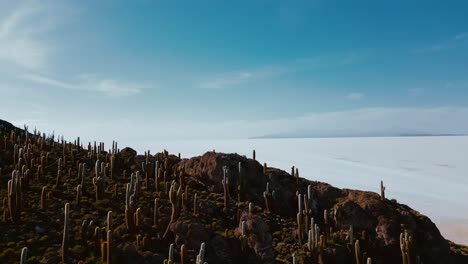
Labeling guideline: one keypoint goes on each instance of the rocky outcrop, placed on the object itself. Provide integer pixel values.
(383, 221)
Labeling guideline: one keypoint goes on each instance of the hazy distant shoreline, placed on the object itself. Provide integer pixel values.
(286, 136)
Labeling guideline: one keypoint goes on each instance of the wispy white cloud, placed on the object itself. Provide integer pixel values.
(443, 45)
(26, 32)
(416, 91)
(355, 96)
(107, 87)
(21, 32)
(225, 80)
(461, 36)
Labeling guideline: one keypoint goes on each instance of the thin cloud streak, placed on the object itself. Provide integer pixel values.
(355, 96)
(108, 87)
(448, 44)
(226, 80)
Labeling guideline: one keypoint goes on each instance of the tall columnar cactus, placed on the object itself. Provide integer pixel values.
(98, 181)
(137, 216)
(240, 186)
(312, 201)
(157, 172)
(254, 156)
(201, 255)
(243, 236)
(109, 221)
(357, 252)
(109, 246)
(405, 247)
(300, 219)
(14, 196)
(267, 196)
(59, 172)
(225, 183)
(78, 195)
(83, 175)
(251, 209)
(155, 212)
(24, 255)
(43, 197)
(65, 233)
(171, 253)
(174, 196)
(15, 153)
(310, 240)
(382, 191)
(182, 254)
(112, 164)
(195, 205)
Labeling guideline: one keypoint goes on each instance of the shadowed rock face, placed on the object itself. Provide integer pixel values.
(258, 236)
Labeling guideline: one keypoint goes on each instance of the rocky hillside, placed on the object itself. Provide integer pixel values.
(69, 202)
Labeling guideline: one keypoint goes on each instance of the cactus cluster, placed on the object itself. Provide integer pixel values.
(147, 203)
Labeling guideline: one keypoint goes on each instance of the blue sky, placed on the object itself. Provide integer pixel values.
(212, 69)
